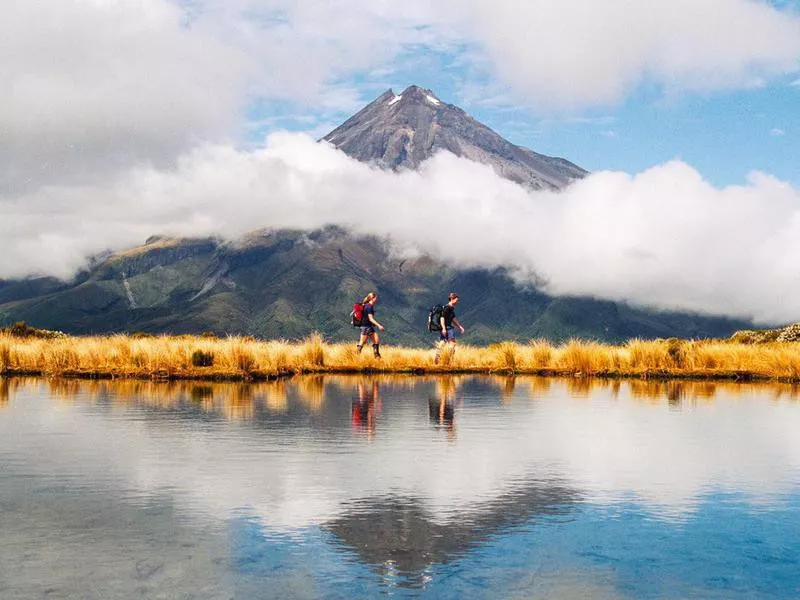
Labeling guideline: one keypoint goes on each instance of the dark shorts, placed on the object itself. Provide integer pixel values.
(448, 335)
(367, 330)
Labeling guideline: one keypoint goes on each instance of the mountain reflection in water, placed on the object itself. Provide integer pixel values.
(398, 533)
(348, 486)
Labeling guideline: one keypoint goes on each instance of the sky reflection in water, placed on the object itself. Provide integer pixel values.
(446, 487)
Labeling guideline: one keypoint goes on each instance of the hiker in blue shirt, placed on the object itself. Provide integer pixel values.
(446, 322)
(369, 324)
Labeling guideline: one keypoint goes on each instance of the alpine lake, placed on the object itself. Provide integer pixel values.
(404, 486)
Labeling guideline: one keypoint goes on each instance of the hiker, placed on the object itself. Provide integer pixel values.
(369, 324)
(446, 330)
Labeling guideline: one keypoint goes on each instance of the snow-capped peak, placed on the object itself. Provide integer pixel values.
(433, 100)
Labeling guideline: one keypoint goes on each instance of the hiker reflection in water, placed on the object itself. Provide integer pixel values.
(448, 323)
(369, 326)
(366, 407)
(442, 408)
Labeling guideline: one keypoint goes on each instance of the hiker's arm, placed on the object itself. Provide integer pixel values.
(455, 320)
(442, 326)
(375, 322)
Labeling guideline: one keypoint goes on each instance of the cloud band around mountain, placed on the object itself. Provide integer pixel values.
(663, 238)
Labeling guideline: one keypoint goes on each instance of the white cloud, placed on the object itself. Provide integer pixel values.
(574, 53)
(664, 238)
(90, 85)
(93, 86)
(777, 132)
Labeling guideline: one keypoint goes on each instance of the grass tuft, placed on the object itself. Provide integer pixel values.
(202, 359)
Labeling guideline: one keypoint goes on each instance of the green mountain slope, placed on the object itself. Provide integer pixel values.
(286, 284)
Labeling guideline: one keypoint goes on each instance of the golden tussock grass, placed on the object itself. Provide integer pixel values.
(236, 357)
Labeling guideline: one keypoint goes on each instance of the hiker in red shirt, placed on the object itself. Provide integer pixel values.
(369, 325)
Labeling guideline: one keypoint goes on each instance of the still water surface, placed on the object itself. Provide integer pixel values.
(455, 487)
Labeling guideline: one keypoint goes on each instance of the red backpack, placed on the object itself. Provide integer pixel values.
(358, 314)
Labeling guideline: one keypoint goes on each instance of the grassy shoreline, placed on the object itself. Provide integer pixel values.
(248, 359)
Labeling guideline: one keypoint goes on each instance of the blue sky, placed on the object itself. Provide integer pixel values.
(725, 134)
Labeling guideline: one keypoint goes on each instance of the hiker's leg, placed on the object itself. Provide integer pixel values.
(362, 339)
(439, 347)
(452, 348)
(376, 345)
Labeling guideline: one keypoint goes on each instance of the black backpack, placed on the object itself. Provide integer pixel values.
(435, 318)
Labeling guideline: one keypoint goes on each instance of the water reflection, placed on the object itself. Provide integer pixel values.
(442, 406)
(366, 406)
(399, 536)
(461, 485)
(10, 387)
(311, 392)
(244, 401)
(5, 393)
(507, 387)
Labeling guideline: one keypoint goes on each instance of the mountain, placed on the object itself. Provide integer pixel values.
(286, 284)
(401, 131)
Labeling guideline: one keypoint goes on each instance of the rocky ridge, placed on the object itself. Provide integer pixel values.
(398, 131)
